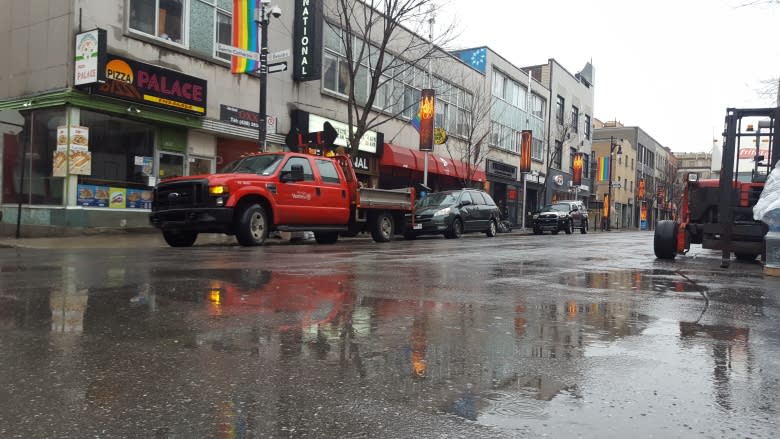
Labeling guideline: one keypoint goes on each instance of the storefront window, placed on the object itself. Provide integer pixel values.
(122, 151)
(36, 143)
(200, 165)
(11, 125)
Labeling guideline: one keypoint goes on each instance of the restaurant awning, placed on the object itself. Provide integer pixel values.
(400, 157)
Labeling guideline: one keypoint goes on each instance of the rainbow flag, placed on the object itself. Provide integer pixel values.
(416, 120)
(603, 174)
(244, 35)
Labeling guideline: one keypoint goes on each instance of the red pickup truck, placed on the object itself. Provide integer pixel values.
(284, 191)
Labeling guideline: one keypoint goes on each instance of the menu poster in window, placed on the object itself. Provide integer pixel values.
(92, 196)
(139, 199)
(60, 157)
(79, 154)
(117, 197)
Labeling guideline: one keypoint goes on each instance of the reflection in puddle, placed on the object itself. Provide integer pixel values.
(493, 357)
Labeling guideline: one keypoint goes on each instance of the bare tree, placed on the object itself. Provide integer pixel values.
(563, 133)
(473, 151)
(770, 90)
(380, 46)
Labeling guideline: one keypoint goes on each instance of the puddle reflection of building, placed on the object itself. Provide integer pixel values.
(730, 355)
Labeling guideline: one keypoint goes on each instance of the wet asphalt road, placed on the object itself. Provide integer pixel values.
(515, 336)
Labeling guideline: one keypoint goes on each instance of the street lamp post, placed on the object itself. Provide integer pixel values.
(262, 20)
(612, 146)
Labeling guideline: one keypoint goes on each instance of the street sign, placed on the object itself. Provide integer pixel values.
(277, 67)
(235, 51)
(282, 54)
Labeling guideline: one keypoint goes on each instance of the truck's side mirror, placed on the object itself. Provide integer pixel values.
(294, 174)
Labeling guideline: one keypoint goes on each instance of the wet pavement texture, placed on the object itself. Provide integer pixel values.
(513, 336)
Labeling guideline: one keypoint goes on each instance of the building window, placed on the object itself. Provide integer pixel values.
(559, 110)
(557, 160)
(163, 19)
(587, 127)
(575, 118)
(224, 33)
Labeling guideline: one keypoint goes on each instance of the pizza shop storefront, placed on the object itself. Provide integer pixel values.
(72, 159)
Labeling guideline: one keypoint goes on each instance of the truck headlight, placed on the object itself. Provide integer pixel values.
(442, 212)
(218, 190)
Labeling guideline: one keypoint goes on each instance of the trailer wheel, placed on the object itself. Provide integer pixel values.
(326, 237)
(382, 230)
(179, 239)
(665, 239)
(252, 226)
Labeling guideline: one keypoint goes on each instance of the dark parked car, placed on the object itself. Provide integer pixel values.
(563, 215)
(453, 213)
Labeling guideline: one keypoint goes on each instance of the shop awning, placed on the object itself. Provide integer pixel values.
(399, 157)
(412, 159)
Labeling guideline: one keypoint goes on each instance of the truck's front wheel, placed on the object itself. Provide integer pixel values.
(382, 230)
(252, 227)
(179, 239)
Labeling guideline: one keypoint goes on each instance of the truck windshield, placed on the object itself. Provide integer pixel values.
(265, 164)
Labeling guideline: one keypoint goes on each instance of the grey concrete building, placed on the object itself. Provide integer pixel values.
(569, 129)
(514, 102)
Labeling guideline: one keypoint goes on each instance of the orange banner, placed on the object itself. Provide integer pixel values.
(576, 177)
(427, 113)
(525, 151)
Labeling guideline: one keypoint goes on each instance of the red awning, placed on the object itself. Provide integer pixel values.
(399, 157)
(412, 159)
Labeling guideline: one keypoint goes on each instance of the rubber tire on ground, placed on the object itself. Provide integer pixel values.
(584, 228)
(665, 239)
(179, 239)
(252, 227)
(746, 257)
(326, 237)
(455, 230)
(492, 229)
(569, 227)
(382, 229)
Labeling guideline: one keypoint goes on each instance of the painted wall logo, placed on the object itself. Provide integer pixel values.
(558, 179)
(152, 85)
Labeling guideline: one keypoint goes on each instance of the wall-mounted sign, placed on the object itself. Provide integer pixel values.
(558, 180)
(245, 118)
(144, 83)
(90, 55)
(368, 143)
(72, 155)
(307, 40)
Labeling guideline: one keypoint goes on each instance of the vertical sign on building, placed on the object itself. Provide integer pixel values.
(641, 188)
(426, 113)
(576, 174)
(90, 55)
(307, 40)
(526, 141)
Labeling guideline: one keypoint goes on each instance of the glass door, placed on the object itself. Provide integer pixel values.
(170, 165)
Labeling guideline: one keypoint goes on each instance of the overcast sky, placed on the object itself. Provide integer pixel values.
(671, 67)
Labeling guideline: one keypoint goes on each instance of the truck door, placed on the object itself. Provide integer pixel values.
(334, 197)
(297, 201)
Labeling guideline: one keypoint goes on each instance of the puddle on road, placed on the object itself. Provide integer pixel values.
(480, 359)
